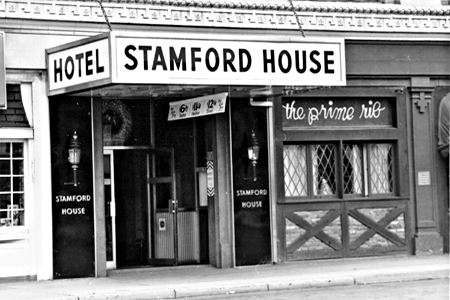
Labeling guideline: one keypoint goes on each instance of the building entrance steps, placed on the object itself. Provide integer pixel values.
(191, 281)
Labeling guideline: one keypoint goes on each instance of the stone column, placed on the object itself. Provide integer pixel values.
(427, 238)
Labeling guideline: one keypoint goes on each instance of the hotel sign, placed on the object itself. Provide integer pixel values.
(79, 66)
(137, 58)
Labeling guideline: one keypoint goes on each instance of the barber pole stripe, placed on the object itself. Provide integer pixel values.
(210, 177)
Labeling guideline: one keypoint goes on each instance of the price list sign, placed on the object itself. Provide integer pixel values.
(197, 107)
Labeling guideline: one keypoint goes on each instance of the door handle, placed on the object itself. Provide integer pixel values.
(112, 209)
(173, 203)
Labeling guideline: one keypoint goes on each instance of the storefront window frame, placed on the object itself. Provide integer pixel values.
(335, 189)
(395, 135)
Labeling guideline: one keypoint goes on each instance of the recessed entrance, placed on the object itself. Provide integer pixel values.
(155, 215)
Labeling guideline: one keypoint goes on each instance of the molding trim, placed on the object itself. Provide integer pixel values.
(250, 14)
(16, 133)
(421, 97)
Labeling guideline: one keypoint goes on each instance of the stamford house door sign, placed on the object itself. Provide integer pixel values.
(250, 184)
(72, 188)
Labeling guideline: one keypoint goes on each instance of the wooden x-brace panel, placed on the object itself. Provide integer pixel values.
(316, 230)
(379, 227)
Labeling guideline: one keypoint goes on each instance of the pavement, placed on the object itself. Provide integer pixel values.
(190, 281)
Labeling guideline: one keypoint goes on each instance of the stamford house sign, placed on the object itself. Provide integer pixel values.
(140, 58)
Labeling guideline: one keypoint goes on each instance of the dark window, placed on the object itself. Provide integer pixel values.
(332, 169)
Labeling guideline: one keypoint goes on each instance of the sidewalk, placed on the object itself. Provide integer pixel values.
(190, 281)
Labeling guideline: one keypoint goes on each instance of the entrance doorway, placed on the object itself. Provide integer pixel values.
(141, 207)
(153, 213)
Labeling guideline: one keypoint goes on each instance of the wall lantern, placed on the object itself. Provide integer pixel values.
(74, 157)
(253, 153)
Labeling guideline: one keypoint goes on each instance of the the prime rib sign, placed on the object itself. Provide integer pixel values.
(329, 112)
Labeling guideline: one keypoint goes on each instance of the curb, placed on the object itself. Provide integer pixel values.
(132, 295)
(286, 285)
(222, 290)
(402, 277)
(314, 283)
(199, 289)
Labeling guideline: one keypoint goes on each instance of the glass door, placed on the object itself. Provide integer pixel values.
(164, 207)
(110, 209)
(140, 207)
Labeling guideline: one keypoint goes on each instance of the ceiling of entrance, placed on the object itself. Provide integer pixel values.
(171, 91)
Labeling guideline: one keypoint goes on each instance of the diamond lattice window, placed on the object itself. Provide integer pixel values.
(324, 170)
(311, 170)
(381, 169)
(353, 169)
(295, 171)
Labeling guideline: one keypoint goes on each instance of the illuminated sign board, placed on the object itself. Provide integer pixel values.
(79, 66)
(136, 58)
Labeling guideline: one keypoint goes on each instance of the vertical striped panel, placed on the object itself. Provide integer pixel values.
(164, 238)
(188, 237)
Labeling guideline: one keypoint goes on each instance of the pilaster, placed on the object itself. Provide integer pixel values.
(427, 238)
(223, 256)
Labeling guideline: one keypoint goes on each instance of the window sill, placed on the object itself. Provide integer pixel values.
(9, 234)
(332, 199)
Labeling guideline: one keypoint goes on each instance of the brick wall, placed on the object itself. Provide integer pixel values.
(313, 246)
(14, 115)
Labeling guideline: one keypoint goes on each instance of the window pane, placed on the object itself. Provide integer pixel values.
(5, 184)
(18, 184)
(19, 212)
(5, 150)
(295, 170)
(353, 171)
(18, 167)
(5, 200)
(5, 167)
(18, 200)
(324, 170)
(20, 218)
(381, 169)
(5, 211)
(17, 150)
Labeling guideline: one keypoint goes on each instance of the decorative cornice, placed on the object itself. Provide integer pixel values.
(269, 14)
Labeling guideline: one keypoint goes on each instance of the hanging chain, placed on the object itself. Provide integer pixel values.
(296, 17)
(104, 14)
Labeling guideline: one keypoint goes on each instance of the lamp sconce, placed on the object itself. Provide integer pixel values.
(253, 153)
(74, 158)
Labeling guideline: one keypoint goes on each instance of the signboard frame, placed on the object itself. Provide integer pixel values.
(282, 57)
(331, 111)
(88, 83)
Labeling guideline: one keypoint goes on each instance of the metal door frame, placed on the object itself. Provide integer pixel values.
(173, 204)
(112, 264)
